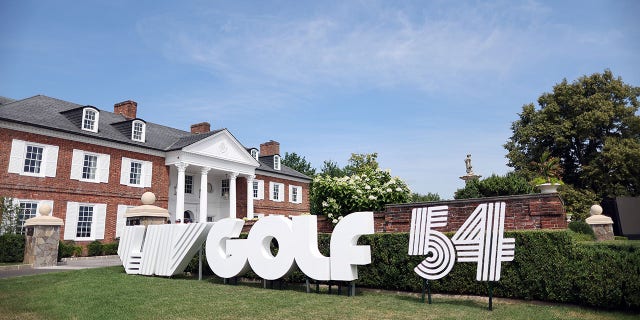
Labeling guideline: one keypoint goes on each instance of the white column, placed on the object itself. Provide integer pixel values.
(250, 196)
(203, 194)
(232, 194)
(180, 191)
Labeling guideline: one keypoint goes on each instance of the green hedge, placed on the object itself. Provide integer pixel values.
(12, 247)
(548, 265)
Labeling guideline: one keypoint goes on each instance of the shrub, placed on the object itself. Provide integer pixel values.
(577, 202)
(509, 184)
(68, 249)
(12, 247)
(110, 248)
(95, 248)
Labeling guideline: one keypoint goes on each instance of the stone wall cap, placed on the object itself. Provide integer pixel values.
(43, 221)
(599, 219)
(147, 210)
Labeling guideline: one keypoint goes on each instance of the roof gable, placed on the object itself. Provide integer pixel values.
(221, 145)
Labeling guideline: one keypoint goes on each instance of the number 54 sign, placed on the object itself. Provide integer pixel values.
(480, 240)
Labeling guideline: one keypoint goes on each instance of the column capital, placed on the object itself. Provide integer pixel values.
(233, 175)
(250, 178)
(181, 166)
(205, 170)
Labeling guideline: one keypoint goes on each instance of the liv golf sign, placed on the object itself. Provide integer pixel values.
(166, 250)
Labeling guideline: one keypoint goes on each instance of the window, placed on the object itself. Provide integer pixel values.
(276, 191)
(27, 211)
(255, 153)
(135, 173)
(89, 167)
(188, 184)
(33, 159)
(276, 162)
(85, 218)
(138, 131)
(90, 119)
(295, 194)
(85, 221)
(224, 190)
(258, 189)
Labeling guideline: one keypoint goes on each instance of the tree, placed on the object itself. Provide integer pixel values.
(591, 125)
(331, 169)
(362, 163)
(9, 216)
(416, 197)
(298, 163)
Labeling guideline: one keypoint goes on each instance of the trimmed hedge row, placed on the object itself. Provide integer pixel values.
(548, 265)
(12, 247)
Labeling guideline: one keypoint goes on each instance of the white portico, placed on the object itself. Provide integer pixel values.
(203, 174)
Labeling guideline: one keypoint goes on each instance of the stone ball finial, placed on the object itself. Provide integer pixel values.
(44, 210)
(595, 210)
(148, 198)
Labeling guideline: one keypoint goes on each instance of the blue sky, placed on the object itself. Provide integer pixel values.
(422, 83)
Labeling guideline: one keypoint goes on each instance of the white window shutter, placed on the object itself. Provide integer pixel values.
(147, 171)
(77, 161)
(43, 202)
(100, 216)
(104, 162)
(299, 195)
(16, 159)
(291, 193)
(71, 223)
(50, 161)
(261, 189)
(271, 186)
(124, 171)
(122, 220)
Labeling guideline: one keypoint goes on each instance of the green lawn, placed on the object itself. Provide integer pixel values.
(108, 293)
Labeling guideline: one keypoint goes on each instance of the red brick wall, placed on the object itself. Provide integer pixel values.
(267, 206)
(533, 211)
(62, 189)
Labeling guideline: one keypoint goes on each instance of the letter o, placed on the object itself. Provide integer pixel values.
(263, 263)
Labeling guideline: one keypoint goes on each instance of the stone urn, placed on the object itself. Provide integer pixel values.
(549, 187)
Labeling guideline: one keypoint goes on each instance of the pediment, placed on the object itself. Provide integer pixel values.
(222, 145)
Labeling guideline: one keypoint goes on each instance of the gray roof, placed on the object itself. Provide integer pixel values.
(266, 164)
(59, 115)
(5, 100)
(46, 112)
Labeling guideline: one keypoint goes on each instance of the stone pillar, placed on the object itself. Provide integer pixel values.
(43, 235)
(250, 196)
(182, 167)
(232, 194)
(602, 225)
(203, 194)
(147, 214)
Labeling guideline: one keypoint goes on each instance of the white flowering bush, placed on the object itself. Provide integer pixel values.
(336, 197)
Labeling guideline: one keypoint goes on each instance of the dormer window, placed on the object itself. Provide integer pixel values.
(276, 162)
(255, 153)
(90, 118)
(138, 131)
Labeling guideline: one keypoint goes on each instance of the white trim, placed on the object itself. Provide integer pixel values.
(133, 130)
(260, 189)
(96, 119)
(78, 137)
(281, 176)
(277, 165)
(48, 163)
(299, 194)
(280, 191)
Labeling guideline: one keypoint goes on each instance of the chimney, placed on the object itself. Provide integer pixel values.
(126, 108)
(270, 148)
(202, 127)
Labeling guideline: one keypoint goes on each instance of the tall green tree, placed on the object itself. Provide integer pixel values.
(362, 163)
(331, 169)
(298, 163)
(592, 126)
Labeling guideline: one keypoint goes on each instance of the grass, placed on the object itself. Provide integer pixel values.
(108, 293)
